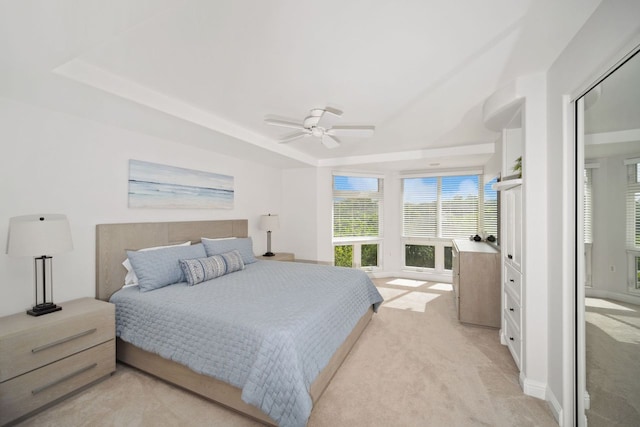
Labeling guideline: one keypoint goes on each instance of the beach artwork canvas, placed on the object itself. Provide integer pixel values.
(153, 185)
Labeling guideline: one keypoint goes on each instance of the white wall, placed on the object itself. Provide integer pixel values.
(299, 213)
(535, 262)
(598, 44)
(56, 163)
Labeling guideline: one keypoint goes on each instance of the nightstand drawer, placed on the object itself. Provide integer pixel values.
(28, 392)
(64, 333)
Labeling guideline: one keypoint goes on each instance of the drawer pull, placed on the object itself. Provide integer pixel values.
(66, 377)
(510, 256)
(511, 309)
(511, 338)
(511, 280)
(63, 340)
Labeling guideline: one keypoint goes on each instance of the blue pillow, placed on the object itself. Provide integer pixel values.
(161, 267)
(243, 245)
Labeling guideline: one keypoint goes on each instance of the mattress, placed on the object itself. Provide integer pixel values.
(268, 329)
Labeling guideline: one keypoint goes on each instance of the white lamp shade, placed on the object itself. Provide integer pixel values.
(37, 235)
(269, 222)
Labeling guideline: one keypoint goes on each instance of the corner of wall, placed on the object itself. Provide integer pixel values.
(555, 407)
(532, 388)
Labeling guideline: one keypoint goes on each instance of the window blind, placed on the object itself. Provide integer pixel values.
(490, 209)
(633, 206)
(357, 206)
(588, 206)
(420, 207)
(440, 207)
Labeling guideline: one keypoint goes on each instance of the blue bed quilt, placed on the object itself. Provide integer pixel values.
(268, 329)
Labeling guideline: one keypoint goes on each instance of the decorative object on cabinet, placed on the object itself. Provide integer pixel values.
(40, 236)
(269, 223)
(517, 167)
(45, 359)
(159, 186)
(476, 282)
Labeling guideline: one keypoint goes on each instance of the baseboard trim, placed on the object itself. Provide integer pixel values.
(533, 388)
(503, 340)
(587, 401)
(555, 407)
(616, 296)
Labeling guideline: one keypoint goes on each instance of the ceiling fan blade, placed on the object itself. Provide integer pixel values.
(330, 141)
(329, 118)
(292, 137)
(353, 131)
(284, 123)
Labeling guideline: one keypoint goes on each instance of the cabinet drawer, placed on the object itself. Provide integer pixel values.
(512, 309)
(513, 281)
(27, 392)
(514, 343)
(62, 335)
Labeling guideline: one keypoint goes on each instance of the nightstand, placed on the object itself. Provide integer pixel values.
(46, 358)
(282, 256)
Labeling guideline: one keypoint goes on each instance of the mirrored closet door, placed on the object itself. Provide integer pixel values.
(608, 184)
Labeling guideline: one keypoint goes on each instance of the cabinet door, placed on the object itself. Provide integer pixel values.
(513, 238)
(517, 228)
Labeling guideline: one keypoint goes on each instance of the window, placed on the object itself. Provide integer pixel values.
(588, 221)
(436, 209)
(490, 209)
(588, 206)
(633, 224)
(357, 214)
(420, 256)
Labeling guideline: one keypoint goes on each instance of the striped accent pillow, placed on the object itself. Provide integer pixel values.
(233, 260)
(202, 269)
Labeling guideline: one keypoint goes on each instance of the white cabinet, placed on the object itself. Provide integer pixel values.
(512, 295)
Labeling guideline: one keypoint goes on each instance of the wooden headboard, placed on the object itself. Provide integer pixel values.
(113, 240)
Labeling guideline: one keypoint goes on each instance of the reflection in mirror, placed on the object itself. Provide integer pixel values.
(611, 235)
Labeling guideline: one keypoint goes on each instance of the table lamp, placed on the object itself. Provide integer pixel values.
(269, 223)
(40, 236)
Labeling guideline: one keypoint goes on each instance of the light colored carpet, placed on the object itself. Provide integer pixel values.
(415, 365)
(613, 363)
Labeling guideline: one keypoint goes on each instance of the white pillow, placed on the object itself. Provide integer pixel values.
(131, 279)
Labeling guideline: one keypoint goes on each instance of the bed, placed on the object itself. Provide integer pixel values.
(280, 371)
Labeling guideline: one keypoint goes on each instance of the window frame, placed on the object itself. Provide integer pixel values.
(632, 232)
(358, 241)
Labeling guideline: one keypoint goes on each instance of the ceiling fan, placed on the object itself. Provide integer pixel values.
(320, 123)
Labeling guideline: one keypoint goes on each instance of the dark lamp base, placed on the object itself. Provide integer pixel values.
(269, 254)
(46, 308)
